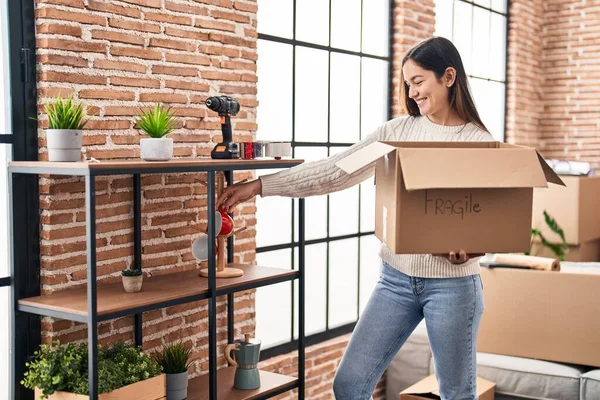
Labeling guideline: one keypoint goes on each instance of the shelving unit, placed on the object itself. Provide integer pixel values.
(95, 303)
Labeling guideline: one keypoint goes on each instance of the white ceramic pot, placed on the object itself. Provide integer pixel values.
(156, 149)
(64, 144)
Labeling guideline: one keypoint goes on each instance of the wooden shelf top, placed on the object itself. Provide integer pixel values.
(132, 166)
(269, 382)
(112, 298)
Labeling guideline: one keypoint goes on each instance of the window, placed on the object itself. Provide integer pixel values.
(478, 29)
(323, 69)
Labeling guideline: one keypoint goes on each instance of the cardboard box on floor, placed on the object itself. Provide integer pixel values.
(587, 251)
(575, 207)
(541, 314)
(428, 389)
(436, 197)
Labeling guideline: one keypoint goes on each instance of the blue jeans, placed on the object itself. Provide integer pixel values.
(452, 308)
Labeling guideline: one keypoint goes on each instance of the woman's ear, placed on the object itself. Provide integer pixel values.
(449, 76)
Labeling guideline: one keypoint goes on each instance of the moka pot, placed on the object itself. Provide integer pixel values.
(245, 359)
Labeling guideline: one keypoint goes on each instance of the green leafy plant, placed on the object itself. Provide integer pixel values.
(131, 272)
(65, 114)
(173, 358)
(59, 367)
(558, 250)
(157, 122)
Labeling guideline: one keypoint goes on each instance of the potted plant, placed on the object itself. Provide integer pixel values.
(156, 122)
(61, 371)
(174, 362)
(559, 250)
(132, 280)
(64, 135)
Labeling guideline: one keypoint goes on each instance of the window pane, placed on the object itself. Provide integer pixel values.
(443, 18)
(5, 109)
(485, 3)
(311, 95)
(343, 284)
(312, 21)
(498, 48)
(275, 17)
(274, 112)
(489, 99)
(345, 24)
(481, 41)
(375, 38)
(315, 212)
(273, 220)
(4, 342)
(374, 95)
(370, 267)
(274, 303)
(367, 205)
(462, 32)
(499, 5)
(316, 291)
(343, 208)
(344, 98)
(5, 156)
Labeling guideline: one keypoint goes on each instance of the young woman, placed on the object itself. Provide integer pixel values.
(444, 290)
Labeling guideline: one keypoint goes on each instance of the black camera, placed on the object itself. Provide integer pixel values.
(224, 105)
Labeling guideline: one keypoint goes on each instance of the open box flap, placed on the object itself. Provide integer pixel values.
(364, 156)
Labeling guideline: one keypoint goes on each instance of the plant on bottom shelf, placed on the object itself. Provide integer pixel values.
(558, 250)
(174, 360)
(64, 368)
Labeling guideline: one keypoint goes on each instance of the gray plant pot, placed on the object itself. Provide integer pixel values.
(64, 144)
(177, 385)
(156, 149)
(132, 284)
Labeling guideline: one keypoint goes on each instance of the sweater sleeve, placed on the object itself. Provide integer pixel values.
(319, 177)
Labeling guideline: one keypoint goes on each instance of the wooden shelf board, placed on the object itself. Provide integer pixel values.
(112, 298)
(269, 382)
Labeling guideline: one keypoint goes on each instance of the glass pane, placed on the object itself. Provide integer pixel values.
(375, 38)
(311, 95)
(273, 221)
(489, 99)
(485, 3)
(312, 21)
(367, 205)
(343, 208)
(462, 32)
(4, 342)
(344, 98)
(374, 95)
(5, 156)
(345, 24)
(274, 112)
(5, 109)
(443, 18)
(275, 17)
(274, 318)
(499, 5)
(315, 305)
(343, 282)
(498, 48)
(481, 41)
(315, 212)
(370, 267)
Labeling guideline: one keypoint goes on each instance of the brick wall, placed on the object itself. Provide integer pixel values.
(117, 56)
(554, 78)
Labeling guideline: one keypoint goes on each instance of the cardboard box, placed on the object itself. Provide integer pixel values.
(541, 314)
(575, 207)
(436, 197)
(428, 389)
(583, 252)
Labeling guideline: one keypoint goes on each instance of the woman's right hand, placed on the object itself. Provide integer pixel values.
(238, 193)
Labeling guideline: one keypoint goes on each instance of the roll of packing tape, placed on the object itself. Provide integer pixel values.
(278, 150)
(252, 150)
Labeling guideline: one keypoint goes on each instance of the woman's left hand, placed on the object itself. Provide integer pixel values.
(461, 257)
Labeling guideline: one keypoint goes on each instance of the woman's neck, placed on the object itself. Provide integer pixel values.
(446, 117)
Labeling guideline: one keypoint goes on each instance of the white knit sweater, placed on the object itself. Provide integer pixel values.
(323, 177)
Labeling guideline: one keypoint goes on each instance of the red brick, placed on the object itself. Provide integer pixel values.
(175, 71)
(59, 29)
(68, 3)
(71, 45)
(186, 34)
(238, 65)
(187, 58)
(220, 50)
(172, 44)
(220, 3)
(216, 25)
(145, 3)
(105, 6)
(162, 206)
(118, 37)
(135, 52)
(185, 8)
(231, 16)
(238, 89)
(84, 18)
(106, 94)
(134, 82)
(234, 40)
(221, 76)
(55, 59)
(133, 25)
(168, 18)
(238, 5)
(120, 66)
(187, 85)
(108, 125)
(114, 154)
(163, 97)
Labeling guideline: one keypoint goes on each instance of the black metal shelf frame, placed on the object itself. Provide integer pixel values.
(92, 318)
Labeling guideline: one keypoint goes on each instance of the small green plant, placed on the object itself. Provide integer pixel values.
(65, 114)
(157, 122)
(174, 358)
(131, 272)
(57, 367)
(559, 250)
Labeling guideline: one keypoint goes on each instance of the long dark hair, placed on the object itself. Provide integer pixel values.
(437, 54)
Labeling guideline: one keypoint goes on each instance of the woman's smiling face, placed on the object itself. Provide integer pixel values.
(423, 87)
